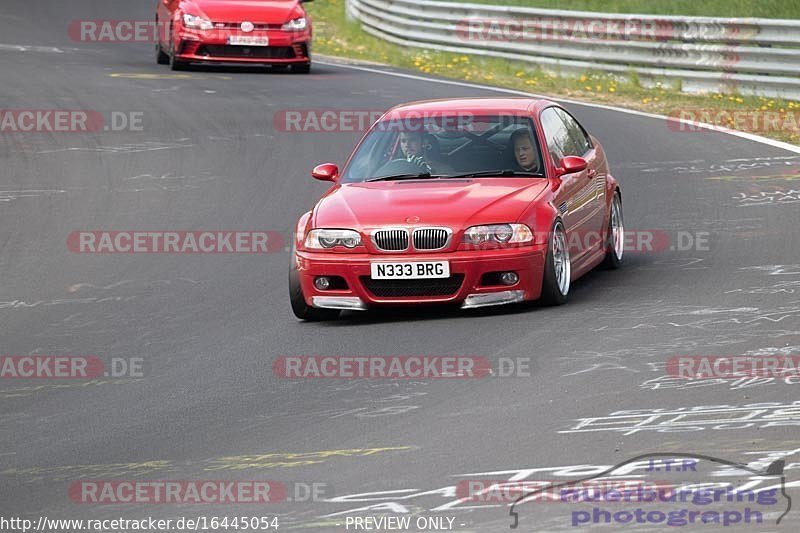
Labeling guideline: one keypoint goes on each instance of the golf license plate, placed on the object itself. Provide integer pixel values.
(243, 40)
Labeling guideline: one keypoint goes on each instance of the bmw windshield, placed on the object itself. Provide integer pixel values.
(447, 146)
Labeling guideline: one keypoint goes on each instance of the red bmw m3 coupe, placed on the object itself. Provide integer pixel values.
(475, 202)
(271, 32)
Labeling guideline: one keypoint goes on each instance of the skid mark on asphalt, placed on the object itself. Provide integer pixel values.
(148, 283)
(166, 182)
(775, 270)
(624, 359)
(785, 287)
(215, 464)
(23, 392)
(22, 304)
(713, 317)
(149, 146)
(8, 196)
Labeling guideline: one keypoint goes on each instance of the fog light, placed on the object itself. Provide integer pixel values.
(509, 278)
(322, 283)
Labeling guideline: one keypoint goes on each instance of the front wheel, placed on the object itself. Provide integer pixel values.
(300, 308)
(162, 58)
(615, 238)
(557, 268)
(174, 63)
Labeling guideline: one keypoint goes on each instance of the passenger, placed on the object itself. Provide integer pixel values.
(524, 149)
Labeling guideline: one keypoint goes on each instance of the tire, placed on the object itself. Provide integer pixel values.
(174, 64)
(304, 68)
(299, 306)
(558, 268)
(161, 57)
(615, 237)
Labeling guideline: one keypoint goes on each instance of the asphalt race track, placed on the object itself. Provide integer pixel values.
(208, 327)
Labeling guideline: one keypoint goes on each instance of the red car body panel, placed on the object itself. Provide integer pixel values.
(459, 204)
(211, 46)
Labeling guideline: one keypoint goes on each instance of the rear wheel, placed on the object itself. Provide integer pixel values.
(300, 308)
(557, 269)
(615, 238)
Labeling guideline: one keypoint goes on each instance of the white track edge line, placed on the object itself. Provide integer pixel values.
(735, 133)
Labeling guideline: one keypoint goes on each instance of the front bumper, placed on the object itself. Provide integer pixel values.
(466, 286)
(211, 46)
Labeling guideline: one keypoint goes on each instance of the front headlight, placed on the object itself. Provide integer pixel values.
(498, 234)
(325, 239)
(298, 24)
(193, 21)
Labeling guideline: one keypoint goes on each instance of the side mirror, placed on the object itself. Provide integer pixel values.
(326, 172)
(572, 165)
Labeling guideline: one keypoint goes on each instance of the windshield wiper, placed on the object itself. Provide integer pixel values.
(497, 173)
(421, 176)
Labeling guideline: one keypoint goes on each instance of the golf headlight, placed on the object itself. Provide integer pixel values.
(298, 24)
(193, 21)
(325, 239)
(498, 234)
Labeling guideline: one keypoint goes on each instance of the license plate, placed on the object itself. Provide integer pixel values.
(243, 40)
(421, 270)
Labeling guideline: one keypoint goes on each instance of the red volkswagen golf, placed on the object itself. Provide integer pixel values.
(475, 202)
(273, 32)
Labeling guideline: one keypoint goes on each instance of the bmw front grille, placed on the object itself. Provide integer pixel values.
(431, 238)
(391, 240)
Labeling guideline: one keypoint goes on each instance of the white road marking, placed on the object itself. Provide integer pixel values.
(27, 48)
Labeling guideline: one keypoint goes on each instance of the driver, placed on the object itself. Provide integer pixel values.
(524, 150)
(417, 147)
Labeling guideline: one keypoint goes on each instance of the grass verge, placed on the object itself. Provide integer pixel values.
(769, 117)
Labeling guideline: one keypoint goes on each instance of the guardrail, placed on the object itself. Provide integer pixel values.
(748, 56)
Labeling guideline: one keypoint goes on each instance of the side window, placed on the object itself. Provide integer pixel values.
(580, 141)
(558, 139)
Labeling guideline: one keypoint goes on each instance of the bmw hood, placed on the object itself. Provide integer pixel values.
(453, 203)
